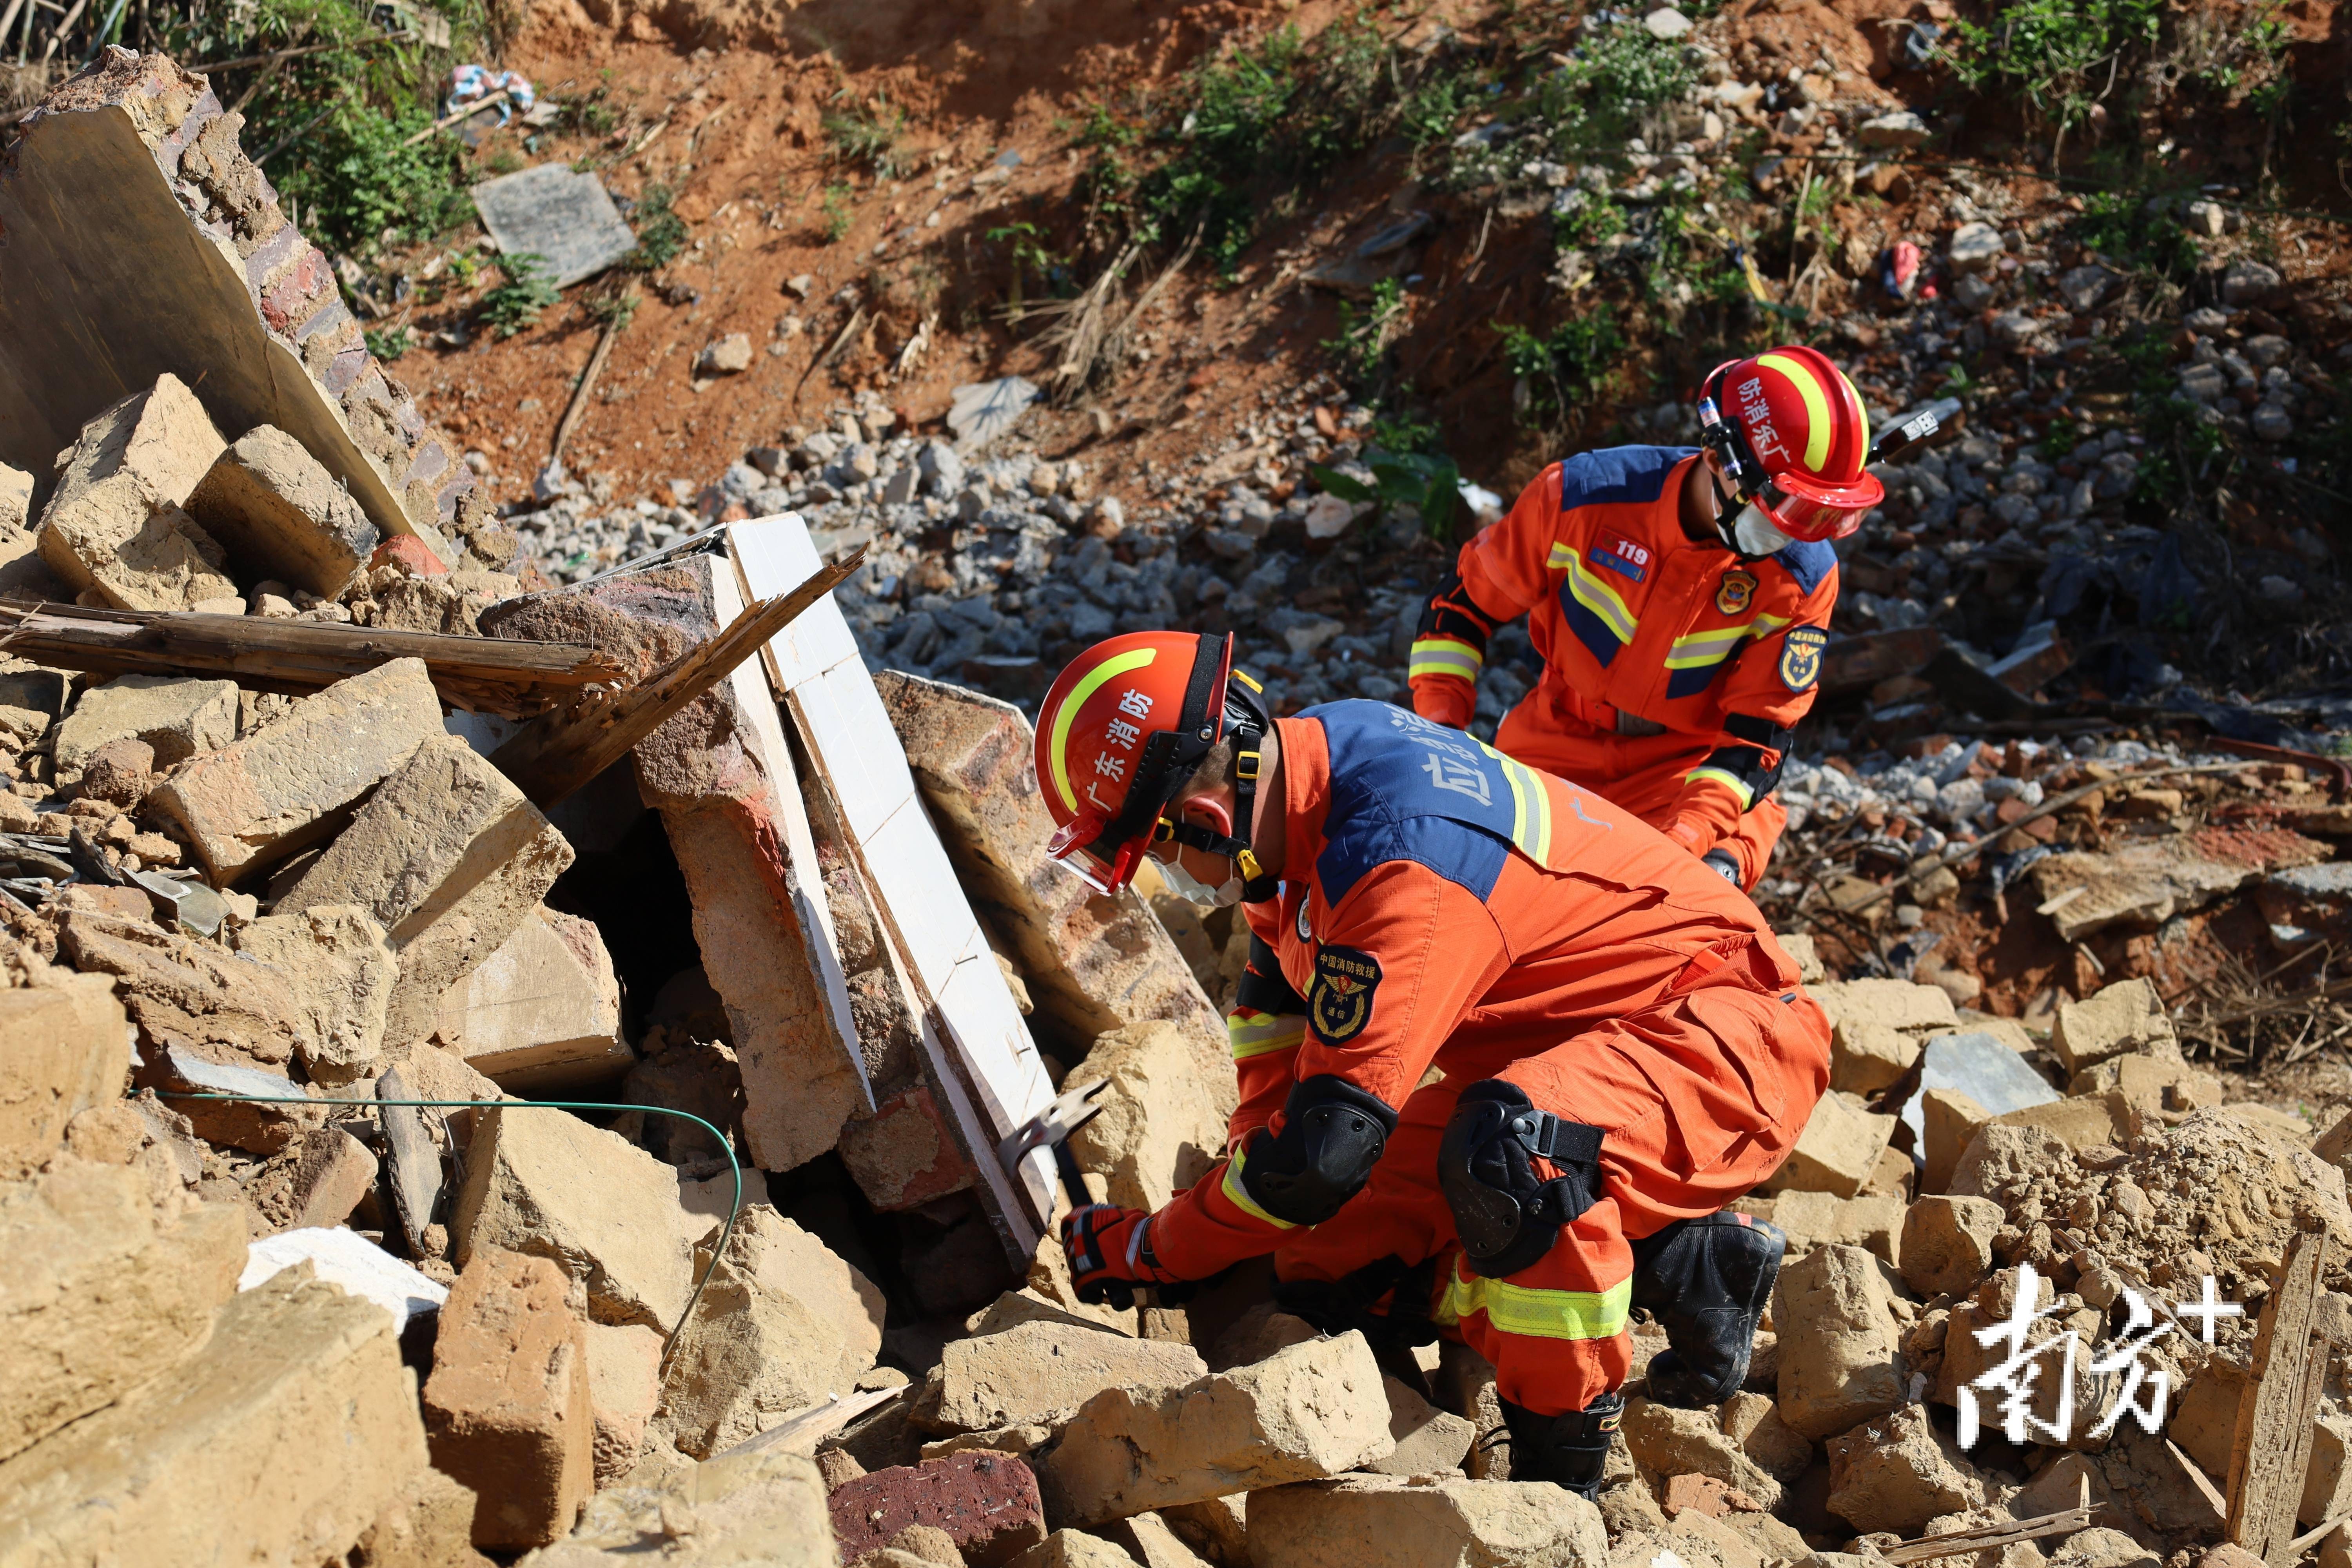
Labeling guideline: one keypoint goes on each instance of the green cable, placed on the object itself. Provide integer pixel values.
(725, 1144)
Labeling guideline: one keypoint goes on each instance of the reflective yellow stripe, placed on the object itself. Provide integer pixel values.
(1445, 656)
(1602, 600)
(1260, 1033)
(1530, 808)
(1817, 408)
(1089, 684)
(1728, 781)
(1233, 1189)
(1538, 1314)
(1694, 648)
(1559, 557)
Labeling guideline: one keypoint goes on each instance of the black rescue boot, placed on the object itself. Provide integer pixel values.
(1706, 1282)
(1570, 1450)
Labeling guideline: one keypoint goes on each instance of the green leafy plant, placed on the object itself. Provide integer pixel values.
(661, 232)
(516, 303)
(837, 217)
(614, 308)
(360, 182)
(869, 136)
(1364, 333)
(1566, 369)
(1429, 483)
(591, 116)
(388, 344)
(2060, 55)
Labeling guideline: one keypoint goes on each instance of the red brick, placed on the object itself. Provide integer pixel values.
(904, 1155)
(988, 1504)
(407, 549)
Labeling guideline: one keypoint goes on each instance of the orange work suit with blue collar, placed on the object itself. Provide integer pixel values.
(1446, 907)
(1674, 670)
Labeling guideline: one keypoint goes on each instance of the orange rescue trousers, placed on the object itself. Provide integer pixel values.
(1690, 1124)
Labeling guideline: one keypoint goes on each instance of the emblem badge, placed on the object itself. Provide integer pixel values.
(1305, 931)
(1732, 594)
(1340, 1004)
(1800, 657)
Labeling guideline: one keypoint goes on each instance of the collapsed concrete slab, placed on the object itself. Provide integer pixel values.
(782, 1324)
(1306, 1412)
(507, 1410)
(282, 1441)
(1094, 964)
(542, 1014)
(295, 780)
(113, 528)
(102, 1292)
(189, 268)
(175, 716)
(450, 858)
(722, 777)
(547, 1184)
(280, 515)
(63, 1049)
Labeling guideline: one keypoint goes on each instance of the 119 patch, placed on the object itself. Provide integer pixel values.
(1800, 657)
(1339, 1003)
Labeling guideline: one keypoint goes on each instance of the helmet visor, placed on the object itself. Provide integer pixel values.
(1814, 512)
(1106, 867)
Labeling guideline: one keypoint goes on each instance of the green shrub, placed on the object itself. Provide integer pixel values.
(517, 302)
(661, 232)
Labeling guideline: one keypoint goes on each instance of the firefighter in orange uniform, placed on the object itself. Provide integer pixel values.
(1680, 599)
(1624, 1049)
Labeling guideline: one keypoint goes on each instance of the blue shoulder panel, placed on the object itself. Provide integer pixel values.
(1405, 789)
(1809, 562)
(1616, 474)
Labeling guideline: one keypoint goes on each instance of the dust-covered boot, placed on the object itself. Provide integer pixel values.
(1570, 1450)
(1706, 1282)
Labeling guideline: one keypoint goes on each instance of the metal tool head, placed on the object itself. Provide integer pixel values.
(1053, 1124)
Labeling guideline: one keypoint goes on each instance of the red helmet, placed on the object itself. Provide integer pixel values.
(1123, 729)
(1791, 433)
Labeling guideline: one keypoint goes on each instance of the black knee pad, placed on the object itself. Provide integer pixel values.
(1332, 1135)
(1507, 1215)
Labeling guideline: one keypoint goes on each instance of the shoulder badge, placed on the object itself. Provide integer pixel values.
(1340, 1003)
(1800, 657)
(1305, 926)
(1735, 592)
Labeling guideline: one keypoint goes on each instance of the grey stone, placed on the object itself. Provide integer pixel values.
(980, 412)
(2248, 283)
(2084, 286)
(552, 212)
(1901, 128)
(1973, 248)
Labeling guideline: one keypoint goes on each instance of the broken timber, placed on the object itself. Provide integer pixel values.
(2273, 1446)
(1989, 1537)
(562, 751)
(485, 675)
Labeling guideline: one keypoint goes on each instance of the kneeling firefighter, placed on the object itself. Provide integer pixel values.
(1621, 1047)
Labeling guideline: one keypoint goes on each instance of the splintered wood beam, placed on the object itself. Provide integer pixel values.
(1986, 1537)
(2271, 1450)
(485, 675)
(560, 751)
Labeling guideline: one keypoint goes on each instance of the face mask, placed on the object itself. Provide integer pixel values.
(1194, 890)
(1756, 533)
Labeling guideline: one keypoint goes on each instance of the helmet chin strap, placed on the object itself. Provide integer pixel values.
(1246, 725)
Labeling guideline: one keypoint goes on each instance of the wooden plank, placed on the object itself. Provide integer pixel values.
(512, 678)
(852, 745)
(560, 751)
(1985, 1537)
(2271, 1450)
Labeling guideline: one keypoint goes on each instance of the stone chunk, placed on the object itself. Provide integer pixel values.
(1160, 1128)
(429, 1525)
(450, 858)
(1368, 1522)
(782, 1324)
(1428, 1441)
(187, 993)
(177, 717)
(1838, 1150)
(1866, 1055)
(1754, 1422)
(1948, 1244)
(1094, 964)
(1873, 1220)
(280, 514)
(987, 1503)
(1892, 1004)
(1074, 1549)
(1148, 1539)
(506, 1408)
(1036, 1373)
(2077, 1122)
(546, 1183)
(1837, 1342)
(114, 526)
(625, 1388)
(292, 782)
(1893, 1474)
(1974, 247)
(1949, 1119)
(315, 1182)
(283, 1440)
(1693, 1442)
(341, 969)
(102, 1292)
(2124, 1018)
(542, 1012)
(906, 1153)
(15, 500)
(767, 1508)
(63, 1049)
(1306, 1412)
